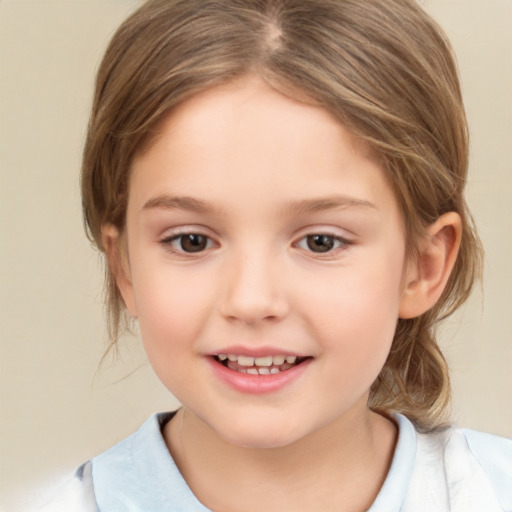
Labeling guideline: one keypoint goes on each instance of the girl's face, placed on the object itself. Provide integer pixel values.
(258, 228)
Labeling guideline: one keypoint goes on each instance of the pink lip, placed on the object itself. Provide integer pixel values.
(257, 384)
(262, 351)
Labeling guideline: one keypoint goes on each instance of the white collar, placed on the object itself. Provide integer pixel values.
(139, 474)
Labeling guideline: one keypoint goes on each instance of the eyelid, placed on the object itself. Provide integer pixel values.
(328, 230)
(345, 242)
(192, 229)
(173, 235)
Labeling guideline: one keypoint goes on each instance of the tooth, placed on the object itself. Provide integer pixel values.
(264, 370)
(232, 357)
(278, 360)
(222, 357)
(263, 361)
(252, 371)
(285, 366)
(242, 370)
(274, 370)
(245, 361)
(291, 359)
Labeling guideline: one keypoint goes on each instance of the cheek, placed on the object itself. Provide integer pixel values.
(359, 296)
(173, 307)
(355, 315)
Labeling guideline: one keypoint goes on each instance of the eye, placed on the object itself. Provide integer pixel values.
(188, 243)
(321, 243)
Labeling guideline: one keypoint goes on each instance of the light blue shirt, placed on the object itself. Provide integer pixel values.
(453, 470)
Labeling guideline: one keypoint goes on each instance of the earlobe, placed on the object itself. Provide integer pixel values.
(427, 275)
(118, 264)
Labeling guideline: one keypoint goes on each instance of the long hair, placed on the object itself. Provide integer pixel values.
(384, 68)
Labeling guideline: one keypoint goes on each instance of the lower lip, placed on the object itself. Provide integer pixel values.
(258, 384)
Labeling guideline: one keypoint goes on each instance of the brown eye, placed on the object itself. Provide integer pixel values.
(320, 243)
(192, 242)
(187, 244)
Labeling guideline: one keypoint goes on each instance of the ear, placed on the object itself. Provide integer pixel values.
(118, 263)
(427, 275)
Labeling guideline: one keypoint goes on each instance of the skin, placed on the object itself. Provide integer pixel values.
(268, 171)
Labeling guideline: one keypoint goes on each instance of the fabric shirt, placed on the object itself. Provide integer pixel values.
(454, 470)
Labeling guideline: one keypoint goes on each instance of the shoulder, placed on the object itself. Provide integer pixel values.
(75, 494)
(476, 458)
(140, 472)
(477, 467)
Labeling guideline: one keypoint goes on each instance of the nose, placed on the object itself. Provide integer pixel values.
(254, 290)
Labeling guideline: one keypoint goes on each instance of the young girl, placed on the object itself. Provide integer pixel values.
(277, 186)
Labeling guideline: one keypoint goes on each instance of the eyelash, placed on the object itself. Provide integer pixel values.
(339, 243)
(168, 243)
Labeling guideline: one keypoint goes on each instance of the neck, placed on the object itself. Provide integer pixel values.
(344, 462)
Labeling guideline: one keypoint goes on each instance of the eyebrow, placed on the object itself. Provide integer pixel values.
(179, 203)
(298, 207)
(328, 203)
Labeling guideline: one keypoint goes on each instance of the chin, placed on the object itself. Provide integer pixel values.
(260, 441)
(260, 434)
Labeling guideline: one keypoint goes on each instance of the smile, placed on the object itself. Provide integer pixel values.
(258, 373)
(266, 365)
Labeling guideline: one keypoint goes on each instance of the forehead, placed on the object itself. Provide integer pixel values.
(246, 139)
(218, 109)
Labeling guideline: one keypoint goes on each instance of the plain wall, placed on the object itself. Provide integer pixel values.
(57, 408)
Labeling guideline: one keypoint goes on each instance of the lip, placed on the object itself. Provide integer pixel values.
(260, 351)
(258, 384)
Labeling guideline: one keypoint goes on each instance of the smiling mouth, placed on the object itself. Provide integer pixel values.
(266, 365)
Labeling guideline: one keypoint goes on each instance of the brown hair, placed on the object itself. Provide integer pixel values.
(383, 67)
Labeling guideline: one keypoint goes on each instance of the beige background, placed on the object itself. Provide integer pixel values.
(57, 409)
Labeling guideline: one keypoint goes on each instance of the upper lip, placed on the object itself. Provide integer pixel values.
(260, 351)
